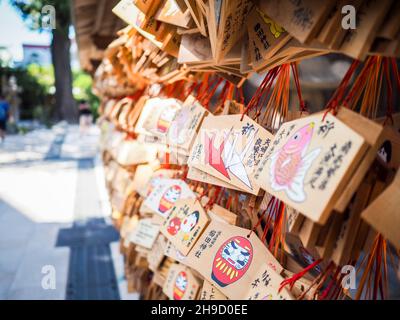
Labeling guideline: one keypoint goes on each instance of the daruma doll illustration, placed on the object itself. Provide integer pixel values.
(232, 260)
(180, 285)
(170, 196)
(174, 226)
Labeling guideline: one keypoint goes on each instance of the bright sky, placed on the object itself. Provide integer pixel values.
(14, 32)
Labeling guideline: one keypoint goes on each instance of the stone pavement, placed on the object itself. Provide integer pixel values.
(54, 214)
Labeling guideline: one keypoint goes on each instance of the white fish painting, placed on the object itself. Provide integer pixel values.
(290, 164)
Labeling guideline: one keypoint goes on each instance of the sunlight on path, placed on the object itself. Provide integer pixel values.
(51, 191)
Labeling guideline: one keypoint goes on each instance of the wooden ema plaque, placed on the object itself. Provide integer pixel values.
(309, 162)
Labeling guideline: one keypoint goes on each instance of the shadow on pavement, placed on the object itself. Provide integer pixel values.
(91, 274)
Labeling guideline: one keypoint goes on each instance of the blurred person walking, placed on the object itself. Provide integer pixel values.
(85, 116)
(4, 114)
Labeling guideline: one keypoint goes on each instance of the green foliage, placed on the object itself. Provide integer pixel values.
(31, 12)
(37, 84)
(5, 56)
(94, 104)
(44, 75)
(82, 90)
(81, 83)
(32, 93)
(36, 16)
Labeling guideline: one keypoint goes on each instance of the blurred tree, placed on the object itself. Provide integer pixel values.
(32, 94)
(5, 56)
(82, 84)
(34, 14)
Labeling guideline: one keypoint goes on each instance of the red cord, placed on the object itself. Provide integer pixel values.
(360, 81)
(337, 96)
(292, 280)
(263, 89)
(396, 72)
(212, 200)
(389, 111)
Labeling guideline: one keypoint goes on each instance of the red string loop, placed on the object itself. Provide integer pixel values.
(263, 89)
(360, 82)
(212, 200)
(203, 86)
(292, 280)
(389, 111)
(224, 94)
(191, 89)
(337, 96)
(330, 288)
(207, 99)
(200, 197)
(136, 95)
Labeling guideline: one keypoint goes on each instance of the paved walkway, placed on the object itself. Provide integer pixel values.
(54, 219)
